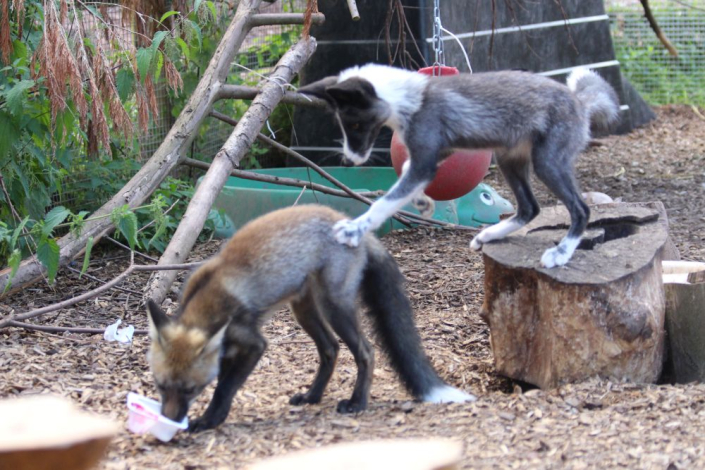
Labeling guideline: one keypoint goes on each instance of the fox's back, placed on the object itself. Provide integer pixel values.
(271, 259)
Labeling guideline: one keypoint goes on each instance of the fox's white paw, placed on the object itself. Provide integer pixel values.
(425, 205)
(448, 394)
(349, 232)
(553, 257)
(476, 244)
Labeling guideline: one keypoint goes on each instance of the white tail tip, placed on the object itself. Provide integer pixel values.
(447, 394)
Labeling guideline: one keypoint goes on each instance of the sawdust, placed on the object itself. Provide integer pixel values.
(595, 424)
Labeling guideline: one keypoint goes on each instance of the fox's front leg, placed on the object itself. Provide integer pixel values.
(242, 349)
(412, 183)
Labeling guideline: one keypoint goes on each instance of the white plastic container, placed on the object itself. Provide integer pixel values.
(145, 416)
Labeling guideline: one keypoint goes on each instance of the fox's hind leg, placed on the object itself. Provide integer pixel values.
(311, 320)
(341, 311)
(553, 164)
(515, 165)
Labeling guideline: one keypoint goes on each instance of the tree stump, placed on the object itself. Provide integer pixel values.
(601, 314)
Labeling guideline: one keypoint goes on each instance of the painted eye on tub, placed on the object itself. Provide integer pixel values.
(487, 198)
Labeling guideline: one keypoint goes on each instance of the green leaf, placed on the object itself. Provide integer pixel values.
(19, 49)
(144, 62)
(197, 31)
(127, 225)
(125, 82)
(53, 218)
(197, 5)
(167, 15)
(13, 263)
(157, 40)
(158, 64)
(48, 255)
(86, 257)
(162, 226)
(77, 222)
(184, 47)
(211, 6)
(17, 232)
(9, 133)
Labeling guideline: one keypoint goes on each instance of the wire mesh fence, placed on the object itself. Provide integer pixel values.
(658, 76)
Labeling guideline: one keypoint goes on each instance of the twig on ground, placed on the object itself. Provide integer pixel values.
(19, 318)
(65, 329)
(121, 245)
(93, 278)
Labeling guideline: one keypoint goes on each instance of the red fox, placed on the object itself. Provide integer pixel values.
(289, 255)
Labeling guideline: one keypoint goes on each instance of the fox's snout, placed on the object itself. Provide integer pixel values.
(174, 406)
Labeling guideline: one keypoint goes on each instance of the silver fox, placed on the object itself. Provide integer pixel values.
(290, 256)
(527, 119)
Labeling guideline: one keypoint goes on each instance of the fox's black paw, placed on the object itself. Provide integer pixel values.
(348, 406)
(203, 424)
(303, 399)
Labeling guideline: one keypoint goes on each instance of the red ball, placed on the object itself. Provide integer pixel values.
(456, 176)
(460, 172)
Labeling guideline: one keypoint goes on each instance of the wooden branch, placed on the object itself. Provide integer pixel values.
(264, 19)
(251, 175)
(657, 30)
(238, 92)
(172, 150)
(14, 319)
(229, 156)
(65, 329)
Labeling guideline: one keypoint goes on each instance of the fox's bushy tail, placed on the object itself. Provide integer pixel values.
(388, 305)
(596, 95)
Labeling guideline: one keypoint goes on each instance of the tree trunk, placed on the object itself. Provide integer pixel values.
(601, 314)
(229, 156)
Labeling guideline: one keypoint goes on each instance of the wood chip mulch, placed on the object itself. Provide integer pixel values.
(594, 424)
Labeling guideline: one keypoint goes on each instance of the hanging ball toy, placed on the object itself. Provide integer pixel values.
(458, 174)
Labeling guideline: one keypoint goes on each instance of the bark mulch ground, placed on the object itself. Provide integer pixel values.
(595, 424)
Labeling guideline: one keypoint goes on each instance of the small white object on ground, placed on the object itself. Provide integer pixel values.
(145, 416)
(123, 335)
(594, 197)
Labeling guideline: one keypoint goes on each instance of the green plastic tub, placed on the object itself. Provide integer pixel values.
(243, 200)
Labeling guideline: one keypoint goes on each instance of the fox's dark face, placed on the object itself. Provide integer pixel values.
(183, 361)
(358, 110)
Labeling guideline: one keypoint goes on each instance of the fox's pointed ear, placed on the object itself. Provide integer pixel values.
(157, 319)
(318, 89)
(214, 342)
(352, 92)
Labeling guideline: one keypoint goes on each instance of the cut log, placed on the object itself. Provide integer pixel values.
(45, 432)
(409, 454)
(684, 283)
(601, 314)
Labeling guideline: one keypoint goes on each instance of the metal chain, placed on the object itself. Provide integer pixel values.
(437, 39)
